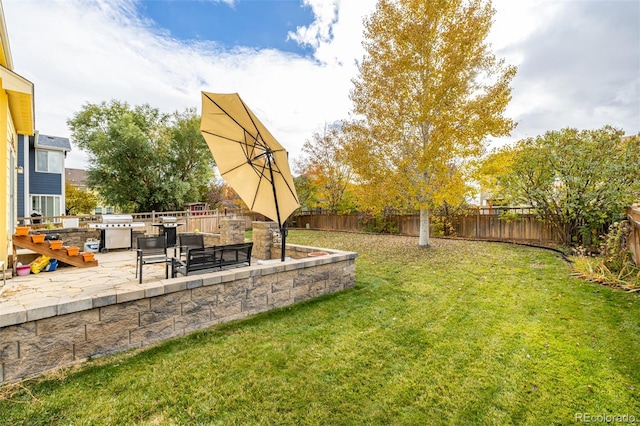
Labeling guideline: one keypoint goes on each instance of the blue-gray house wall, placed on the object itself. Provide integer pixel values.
(21, 176)
(31, 182)
(43, 183)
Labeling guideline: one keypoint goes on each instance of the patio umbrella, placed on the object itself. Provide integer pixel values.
(249, 158)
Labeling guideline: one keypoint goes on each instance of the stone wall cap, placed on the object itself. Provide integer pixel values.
(13, 313)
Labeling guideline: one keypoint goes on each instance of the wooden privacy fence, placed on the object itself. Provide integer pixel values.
(474, 223)
(523, 227)
(526, 227)
(204, 221)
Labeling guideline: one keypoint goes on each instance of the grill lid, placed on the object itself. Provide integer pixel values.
(168, 225)
(117, 218)
(168, 219)
(116, 225)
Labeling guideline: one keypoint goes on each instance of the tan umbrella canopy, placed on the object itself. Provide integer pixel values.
(248, 157)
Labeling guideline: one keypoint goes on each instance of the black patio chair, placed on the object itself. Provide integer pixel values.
(189, 241)
(152, 250)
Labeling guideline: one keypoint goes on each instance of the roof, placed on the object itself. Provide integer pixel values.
(20, 94)
(19, 90)
(53, 142)
(76, 177)
(5, 50)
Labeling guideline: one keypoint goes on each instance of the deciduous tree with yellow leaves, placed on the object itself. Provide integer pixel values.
(324, 164)
(428, 94)
(78, 201)
(487, 171)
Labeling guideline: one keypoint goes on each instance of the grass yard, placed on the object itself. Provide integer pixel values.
(461, 333)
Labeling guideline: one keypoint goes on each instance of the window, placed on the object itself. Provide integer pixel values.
(46, 205)
(48, 161)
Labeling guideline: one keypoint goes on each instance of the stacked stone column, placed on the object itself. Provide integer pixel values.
(231, 231)
(263, 239)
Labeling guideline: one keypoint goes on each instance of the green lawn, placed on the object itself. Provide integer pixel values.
(461, 333)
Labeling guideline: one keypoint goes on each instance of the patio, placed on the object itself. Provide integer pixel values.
(69, 289)
(52, 293)
(56, 319)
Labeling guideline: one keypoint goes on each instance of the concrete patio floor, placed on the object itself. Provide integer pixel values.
(115, 274)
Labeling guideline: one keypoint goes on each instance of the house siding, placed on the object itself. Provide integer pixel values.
(5, 205)
(21, 142)
(43, 183)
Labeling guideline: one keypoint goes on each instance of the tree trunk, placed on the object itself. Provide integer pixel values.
(424, 228)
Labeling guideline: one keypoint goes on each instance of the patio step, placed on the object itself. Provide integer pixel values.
(25, 242)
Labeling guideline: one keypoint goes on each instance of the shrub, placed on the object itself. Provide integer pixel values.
(615, 246)
(614, 266)
(379, 224)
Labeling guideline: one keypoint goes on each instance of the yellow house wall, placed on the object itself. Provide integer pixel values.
(12, 184)
(16, 94)
(6, 128)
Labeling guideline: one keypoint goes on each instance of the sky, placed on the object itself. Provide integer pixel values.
(293, 61)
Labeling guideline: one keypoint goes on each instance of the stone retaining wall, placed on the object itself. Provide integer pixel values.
(166, 309)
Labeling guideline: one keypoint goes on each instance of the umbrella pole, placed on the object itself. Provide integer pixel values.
(283, 226)
(283, 233)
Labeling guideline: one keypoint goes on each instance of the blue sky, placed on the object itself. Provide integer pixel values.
(259, 24)
(293, 61)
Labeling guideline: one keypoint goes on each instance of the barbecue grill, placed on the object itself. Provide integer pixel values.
(116, 231)
(168, 226)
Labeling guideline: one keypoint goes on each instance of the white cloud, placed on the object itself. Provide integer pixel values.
(346, 45)
(515, 21)
(580, 69)
(577, 67)
(77, 52)
(336, 33)
(320, 29)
